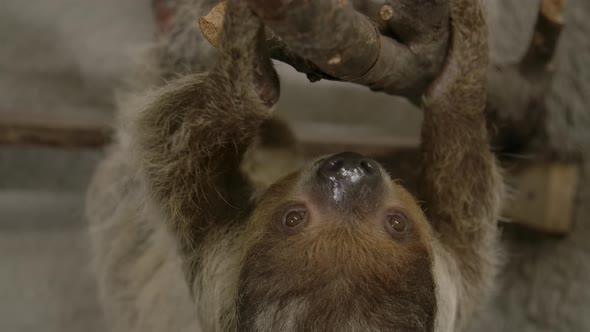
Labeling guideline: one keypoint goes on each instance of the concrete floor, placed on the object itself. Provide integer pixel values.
(45, 280)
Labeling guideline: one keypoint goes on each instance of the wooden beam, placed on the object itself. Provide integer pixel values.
(543, 194)
(83, 131)
(61, 130)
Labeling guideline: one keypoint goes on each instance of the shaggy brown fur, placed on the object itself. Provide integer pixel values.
(460, 179)
(172, 202)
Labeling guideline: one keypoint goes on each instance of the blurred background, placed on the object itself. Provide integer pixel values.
(65, 55)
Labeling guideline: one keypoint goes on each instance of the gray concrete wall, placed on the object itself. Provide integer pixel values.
(55, 55)
(545, 284)
(70, 55)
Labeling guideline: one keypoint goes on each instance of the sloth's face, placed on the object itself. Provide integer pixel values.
(337, 245)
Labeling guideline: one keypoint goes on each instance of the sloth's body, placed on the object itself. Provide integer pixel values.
(184, 239)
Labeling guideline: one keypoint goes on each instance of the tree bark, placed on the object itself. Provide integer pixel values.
(393, 46)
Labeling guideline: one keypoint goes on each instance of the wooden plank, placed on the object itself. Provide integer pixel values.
(544, 196)
(61, 130)
(544, 193)
(72, 130)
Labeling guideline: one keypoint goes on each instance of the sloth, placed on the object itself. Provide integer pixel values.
(185, 240)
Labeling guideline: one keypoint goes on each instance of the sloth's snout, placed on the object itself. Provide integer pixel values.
(349, 170)
(349, 181)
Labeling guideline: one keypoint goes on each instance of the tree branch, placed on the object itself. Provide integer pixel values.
(394, 46)
(405, 51)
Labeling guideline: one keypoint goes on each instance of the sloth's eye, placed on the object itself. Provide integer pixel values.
(396, 224)
(294, 218)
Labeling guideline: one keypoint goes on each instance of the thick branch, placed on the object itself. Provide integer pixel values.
(395, 46)
(345, 50)
(302, 26)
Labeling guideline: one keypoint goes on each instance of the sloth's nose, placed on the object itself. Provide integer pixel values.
(349, 169)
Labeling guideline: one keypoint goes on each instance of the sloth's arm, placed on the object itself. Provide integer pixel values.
(192, 133)
(460, 182)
